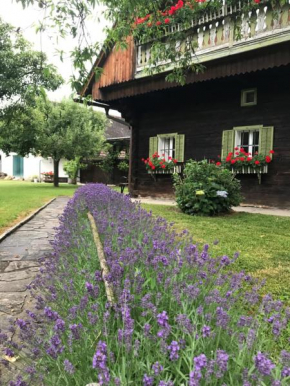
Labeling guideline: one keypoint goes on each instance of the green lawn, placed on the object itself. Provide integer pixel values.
(263, 242)
(19, 198)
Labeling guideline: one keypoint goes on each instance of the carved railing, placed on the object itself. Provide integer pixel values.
(226, 32)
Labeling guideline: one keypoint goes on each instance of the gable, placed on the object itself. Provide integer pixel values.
(118, 67)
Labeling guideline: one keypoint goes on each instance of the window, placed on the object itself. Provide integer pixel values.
(166, 146)
(171, 145)
(248, 140)
(249, 97)
(251, 138)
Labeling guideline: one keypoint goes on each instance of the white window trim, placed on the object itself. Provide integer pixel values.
(161, 139)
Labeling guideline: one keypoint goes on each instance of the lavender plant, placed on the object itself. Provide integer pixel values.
(182, 316)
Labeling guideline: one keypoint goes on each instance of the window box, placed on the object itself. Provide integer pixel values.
(251, 170)
(176, 169)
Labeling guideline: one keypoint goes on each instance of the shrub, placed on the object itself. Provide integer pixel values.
(206, 189)
(181, 316)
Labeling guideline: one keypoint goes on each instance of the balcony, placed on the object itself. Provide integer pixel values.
(223, 33)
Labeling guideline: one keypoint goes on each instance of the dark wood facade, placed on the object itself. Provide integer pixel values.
(201, 112)
(209, 104)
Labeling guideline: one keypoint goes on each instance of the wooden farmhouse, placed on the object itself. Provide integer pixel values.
(241, 99)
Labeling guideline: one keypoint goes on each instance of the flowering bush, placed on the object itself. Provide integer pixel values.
(239, 158)
(156, 163)
(206, 189)
(181, 317)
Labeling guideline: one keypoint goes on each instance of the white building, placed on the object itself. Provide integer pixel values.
(27, 167)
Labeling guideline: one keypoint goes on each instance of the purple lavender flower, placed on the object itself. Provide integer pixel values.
(205, 331)
(157, 368)
(173, 349)
(59, 325)
(285, 372)
(263, 364)
(68, 366)
(162, 319)
(147, 381)
(18, 382)
(9, 352)
(200, 362)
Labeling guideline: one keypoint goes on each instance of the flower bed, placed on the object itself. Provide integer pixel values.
(181, 317)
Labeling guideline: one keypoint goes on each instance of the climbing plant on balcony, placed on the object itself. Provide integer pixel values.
(145, 20)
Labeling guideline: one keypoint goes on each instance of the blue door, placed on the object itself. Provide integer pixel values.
(17, 166)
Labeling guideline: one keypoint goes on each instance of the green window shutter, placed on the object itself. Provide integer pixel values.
(266, 140)
(179, 147)
(228, 142)
(153, 145)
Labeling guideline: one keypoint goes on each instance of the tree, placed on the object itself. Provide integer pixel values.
(24, 73)
(145, 20)
(57, 130)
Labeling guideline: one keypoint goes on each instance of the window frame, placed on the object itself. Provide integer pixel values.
(244, 94)
(162, 137)
(238, 130)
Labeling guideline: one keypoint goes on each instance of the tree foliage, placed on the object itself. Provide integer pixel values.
(23, 71)
(57, 130)
(70, 16)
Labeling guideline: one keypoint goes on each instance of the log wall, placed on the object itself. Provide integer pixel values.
(201, 112)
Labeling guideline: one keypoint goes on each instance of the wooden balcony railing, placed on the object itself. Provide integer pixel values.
(226, 32)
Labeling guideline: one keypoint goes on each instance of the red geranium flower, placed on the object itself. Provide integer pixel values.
(158, 23)
(237, 153)
(257, 162)
(218, 164)
(152, 167)
(249, 158)
(242, 159)
(163, 166)
(167, 21)
(175, 161)
(233, 161)
(271, 152)
(268, 159)
(236, 148)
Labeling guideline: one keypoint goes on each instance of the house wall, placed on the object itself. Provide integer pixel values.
(201, 112)
(31, 165)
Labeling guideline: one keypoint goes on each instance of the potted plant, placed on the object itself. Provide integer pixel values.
(47, 176)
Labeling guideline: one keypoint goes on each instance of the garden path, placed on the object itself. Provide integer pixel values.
(242, 208)
(19, 254)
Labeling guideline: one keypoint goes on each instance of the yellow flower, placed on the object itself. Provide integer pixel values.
(199, 192)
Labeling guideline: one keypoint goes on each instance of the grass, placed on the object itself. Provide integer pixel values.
(263, 242)
(19, 198)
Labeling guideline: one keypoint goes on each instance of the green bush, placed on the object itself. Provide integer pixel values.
(206, 189)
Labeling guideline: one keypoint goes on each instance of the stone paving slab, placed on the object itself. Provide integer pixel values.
(19, 254)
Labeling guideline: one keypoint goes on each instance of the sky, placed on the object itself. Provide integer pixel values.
(27, 19)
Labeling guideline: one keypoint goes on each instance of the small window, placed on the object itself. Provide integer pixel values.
(249, 97)
(248, 140)
(166, 146)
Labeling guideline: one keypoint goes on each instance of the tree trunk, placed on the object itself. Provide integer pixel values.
(55, 172)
